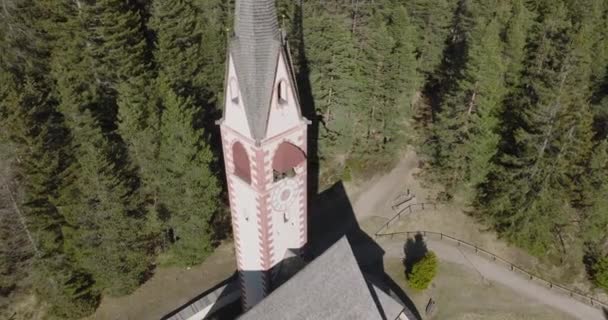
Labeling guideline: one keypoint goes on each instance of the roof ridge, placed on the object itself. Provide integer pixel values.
(255, 49)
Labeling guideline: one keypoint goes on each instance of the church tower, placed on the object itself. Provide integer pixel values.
(264, 144)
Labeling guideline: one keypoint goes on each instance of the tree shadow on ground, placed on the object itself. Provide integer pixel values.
(414, 250)
(331, 217)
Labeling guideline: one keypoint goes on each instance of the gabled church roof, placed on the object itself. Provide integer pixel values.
(255, 51)
(331, 287)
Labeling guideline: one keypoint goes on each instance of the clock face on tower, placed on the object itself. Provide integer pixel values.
(284, 194)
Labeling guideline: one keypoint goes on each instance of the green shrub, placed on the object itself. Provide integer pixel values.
(600, 272)
(347, 174)
(423, 271)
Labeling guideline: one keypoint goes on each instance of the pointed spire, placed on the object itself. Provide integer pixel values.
(255, 49)
(256, 19)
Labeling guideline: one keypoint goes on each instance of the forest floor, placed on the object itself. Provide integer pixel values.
(169, 288)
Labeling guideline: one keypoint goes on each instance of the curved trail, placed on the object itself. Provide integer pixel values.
(373, 199)
(499, 274)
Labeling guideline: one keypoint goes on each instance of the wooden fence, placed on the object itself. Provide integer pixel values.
(404, 211)
(573, 293)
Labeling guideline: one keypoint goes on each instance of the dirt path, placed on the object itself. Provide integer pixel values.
(373, 199)
(495, 273)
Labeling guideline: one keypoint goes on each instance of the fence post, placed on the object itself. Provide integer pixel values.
(410, 208)
(441, 233)
(475, 249)
(512, 267)
(423, 206)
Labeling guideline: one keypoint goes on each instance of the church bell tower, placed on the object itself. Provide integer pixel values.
(264, 144)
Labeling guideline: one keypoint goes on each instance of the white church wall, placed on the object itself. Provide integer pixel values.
(283, 116)
(289, 234)
(234, 114)
(243, 205)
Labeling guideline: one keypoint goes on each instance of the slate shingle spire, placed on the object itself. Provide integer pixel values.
(255, 50)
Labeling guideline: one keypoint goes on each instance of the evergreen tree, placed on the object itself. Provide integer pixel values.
(377, 106)
(28, 113)
(104, 233)
(544, 155)
(515, 41)
(433, 20)
(403, 64)
(189, 196)
(467, 126)
(331, 58)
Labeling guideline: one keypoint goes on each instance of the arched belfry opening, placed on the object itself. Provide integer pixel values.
(242, 169)
(285, 160)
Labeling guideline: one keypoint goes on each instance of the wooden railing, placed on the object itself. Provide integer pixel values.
(573, 293)
(403, 211)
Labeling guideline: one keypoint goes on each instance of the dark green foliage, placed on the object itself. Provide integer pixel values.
(110, 108)
(423, 271)
(600, 272)
(466, 130)
(544, 151)
(188, 199)
(432, 20)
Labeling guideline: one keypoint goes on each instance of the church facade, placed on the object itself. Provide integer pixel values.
(264, 144)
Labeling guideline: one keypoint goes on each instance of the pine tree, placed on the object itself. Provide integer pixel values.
(117, 52)
(403, 64)
(331, 58)
(515, 41)
(377, 106)
(104, 233)
(28, 108)
(467, 125)
(189, 196)
(531, 195)
(433, 20)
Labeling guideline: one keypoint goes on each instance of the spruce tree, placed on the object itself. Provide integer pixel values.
(433, 20)
(532, 193)
(188, 199)
(515, 41)
(403, 64)
(467, 126)
(332, 61)
(104, 233)
(28, 109)
(377, 106)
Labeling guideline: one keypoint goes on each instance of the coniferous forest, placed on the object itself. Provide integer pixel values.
(108, 110)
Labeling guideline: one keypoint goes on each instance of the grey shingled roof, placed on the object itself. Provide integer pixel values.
(331, 287)
(255, 50)
(390, 307)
